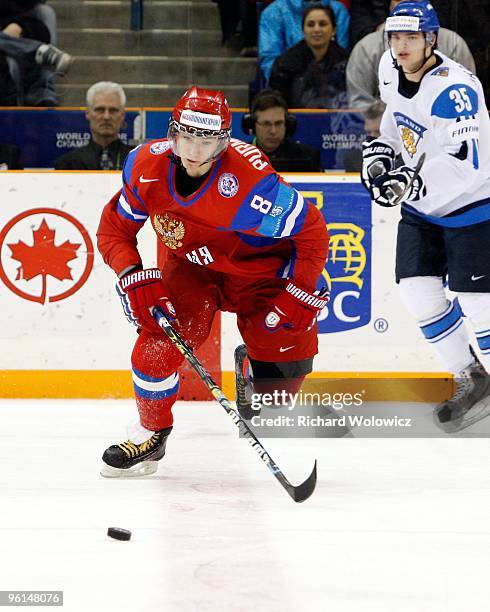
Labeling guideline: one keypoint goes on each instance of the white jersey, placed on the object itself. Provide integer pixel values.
(448, 121)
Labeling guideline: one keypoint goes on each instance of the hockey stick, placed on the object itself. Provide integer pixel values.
(299, 493)
(416, 172)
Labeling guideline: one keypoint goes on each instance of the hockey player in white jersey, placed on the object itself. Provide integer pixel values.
(436, 108)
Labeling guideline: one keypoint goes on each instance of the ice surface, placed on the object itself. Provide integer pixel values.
(395, 525)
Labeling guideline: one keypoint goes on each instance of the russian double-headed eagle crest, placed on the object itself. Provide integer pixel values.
(171, 231)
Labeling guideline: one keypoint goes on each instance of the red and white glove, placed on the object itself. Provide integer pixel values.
(295, 308)
(139, 291)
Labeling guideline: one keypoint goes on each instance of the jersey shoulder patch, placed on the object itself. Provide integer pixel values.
(158, 147)
(457, 100)
(144, 159)
(441, 71)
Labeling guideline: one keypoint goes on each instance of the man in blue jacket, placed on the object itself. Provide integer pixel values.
(280, 28)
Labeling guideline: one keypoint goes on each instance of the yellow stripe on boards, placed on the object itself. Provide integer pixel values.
(66, 384)
(99, 384)
(374, 386)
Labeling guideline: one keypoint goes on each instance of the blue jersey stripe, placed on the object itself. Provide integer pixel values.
(124, 214)
(256, 241)
(128, 165)
(476, 161)
(249, 215)
(277, 221)
(478, 214)
(126, 210)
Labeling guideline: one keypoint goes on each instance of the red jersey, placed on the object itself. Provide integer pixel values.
(243, 220)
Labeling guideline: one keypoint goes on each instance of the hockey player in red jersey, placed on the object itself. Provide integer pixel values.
(238, 238)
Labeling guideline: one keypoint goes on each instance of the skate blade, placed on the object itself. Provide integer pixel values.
(476, 413)
(145, 468)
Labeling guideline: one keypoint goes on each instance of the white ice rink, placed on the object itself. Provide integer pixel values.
(394, 525)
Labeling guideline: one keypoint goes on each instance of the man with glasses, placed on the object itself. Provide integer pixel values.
(273, 127)
(105, 113)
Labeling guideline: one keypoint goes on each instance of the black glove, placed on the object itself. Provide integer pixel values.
(387, 188)
(377, 158)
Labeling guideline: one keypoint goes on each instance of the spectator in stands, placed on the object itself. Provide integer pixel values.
(352, 159)
(46, 14)
(250, 27)
(10, 157)
(234, 12)
(372, 119)
(311, 74)
(366, 16)
(362, 67)
(280, 28)
(105, 113)
(273, 127)
(25, 50)
(229, 13)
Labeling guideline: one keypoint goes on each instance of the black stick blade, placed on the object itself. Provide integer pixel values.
(304, 490)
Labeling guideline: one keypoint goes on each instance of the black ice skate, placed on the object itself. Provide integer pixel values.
(243, 385)
(129, 459)
(469, 404)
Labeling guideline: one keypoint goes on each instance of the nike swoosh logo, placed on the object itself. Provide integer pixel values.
(286, 348)
(143, 180)
(386, 82)
(475, 278)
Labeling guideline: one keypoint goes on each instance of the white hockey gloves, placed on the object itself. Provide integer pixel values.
(400, 185)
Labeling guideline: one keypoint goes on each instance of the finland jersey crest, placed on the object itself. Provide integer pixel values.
(410, 132)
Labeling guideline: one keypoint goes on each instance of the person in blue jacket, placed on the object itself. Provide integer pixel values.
(280, 28)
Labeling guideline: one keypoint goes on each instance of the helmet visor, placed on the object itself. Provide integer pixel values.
(200, 145)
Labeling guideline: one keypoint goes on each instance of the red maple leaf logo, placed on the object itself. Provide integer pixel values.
(44, 257)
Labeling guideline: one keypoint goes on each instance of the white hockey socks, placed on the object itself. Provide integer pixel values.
(137, 433)
(476, 307)
(440, 320)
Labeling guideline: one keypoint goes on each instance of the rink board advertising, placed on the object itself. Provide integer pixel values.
(347, 274)
(64, 334)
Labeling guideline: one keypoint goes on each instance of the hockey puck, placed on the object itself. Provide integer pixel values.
(119, 534)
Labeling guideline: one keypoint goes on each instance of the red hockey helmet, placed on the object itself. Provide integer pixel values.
(204, 113)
